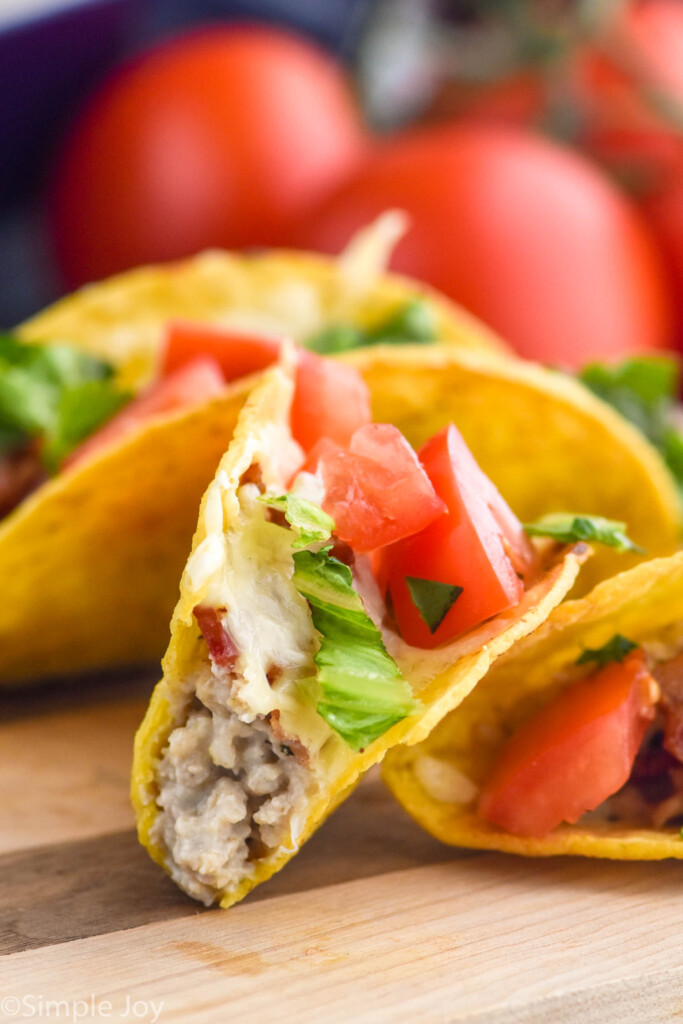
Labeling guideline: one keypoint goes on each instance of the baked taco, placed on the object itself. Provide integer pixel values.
(573, 743)
(330, 609)
(98, 514)
(106, 449)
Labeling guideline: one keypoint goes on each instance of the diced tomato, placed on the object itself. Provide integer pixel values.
(518, 547)
(467, 547)
(377, 492)
(221, 647)
(320, 449)
(196, 382)
(331, 400)
(237, 353)
(574, 753)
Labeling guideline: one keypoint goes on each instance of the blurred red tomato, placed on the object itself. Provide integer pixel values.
(217, 138)
(632, 75)
(664, 209)
(634, 117)
(524, 233)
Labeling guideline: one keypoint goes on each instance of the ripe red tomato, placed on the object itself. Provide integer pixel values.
(237, 354)
(633, 92)
(195, 382)
(631, 72)
(664, 210)
(574, 753)
(221, 137)
(331, 400)
(465, 547)
(525, 234)
(377, 492)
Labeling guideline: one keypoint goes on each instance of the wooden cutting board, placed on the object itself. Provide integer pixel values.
(373, 921)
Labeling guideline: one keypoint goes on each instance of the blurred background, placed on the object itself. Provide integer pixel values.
(537, 146)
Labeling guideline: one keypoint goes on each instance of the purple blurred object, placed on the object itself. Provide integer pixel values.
(50, 60)
(46, 65)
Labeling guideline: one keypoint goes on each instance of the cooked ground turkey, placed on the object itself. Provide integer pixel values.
(228, 793)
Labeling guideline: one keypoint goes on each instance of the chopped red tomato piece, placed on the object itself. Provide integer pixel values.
(467, 547)
(331, 400)
(574, 753)
(221, 647)
(320, 449)
(377, 492)
(518, 547)
(197, 382)
(237, 353)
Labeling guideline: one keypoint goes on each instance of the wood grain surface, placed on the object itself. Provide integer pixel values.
(373, 921)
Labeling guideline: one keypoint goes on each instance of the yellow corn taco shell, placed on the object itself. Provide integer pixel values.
(219, 831)
(89, 563)
(437, 781)
(288, 293)
(549, 444)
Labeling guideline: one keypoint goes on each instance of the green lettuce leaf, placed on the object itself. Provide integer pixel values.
(567, 527)
(615, 649)
(81, 409)
(432, 599)
(359, 689)
(644, 391)
(308, 520)
(52, 392)
(412, 323)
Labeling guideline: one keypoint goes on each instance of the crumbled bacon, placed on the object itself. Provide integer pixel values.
(221, 647)
(669, 675)
(20, 473)
(253, 475)
(343, 553)
(296, 746)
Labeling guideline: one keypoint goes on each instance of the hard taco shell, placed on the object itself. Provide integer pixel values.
(89, 563)
(644, 604)
(441, 678)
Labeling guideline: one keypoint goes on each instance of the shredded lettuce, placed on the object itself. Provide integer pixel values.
(644, 391)
(81, 409)
(308, 520)
(52, 392)
(359, 689)
(615, 649)
(568, 527)
(411, 323)
(432, 599)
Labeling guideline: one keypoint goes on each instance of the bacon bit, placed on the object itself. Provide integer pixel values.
(253, 475)
(343, 553)
(20, 473)
(277, 516)
(652, 760)
(296, 746)
(274, 674)
(669, 675)
(221, 647)
(257, 848)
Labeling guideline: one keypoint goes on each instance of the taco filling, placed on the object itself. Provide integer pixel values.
(607, 749)
(336, 575)
(59, 406)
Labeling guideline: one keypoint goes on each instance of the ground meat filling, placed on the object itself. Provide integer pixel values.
(653, 795)
(228, 792)
(21, 472)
